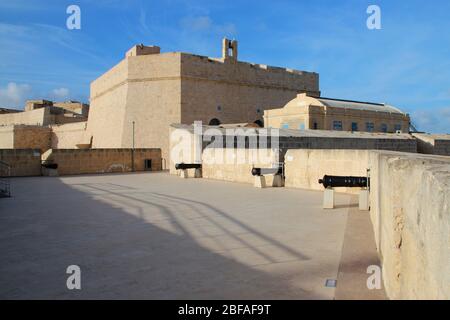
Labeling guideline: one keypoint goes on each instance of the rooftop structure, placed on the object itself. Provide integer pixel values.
(45, 112)
(308, 112)
(7, 110)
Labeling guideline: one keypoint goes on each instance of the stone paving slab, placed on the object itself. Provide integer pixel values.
(156, 236)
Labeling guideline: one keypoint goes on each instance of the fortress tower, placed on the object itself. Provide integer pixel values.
(154, 89)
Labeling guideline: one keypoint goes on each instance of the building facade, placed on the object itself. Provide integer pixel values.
(318, 113)
(44, 113)
(136, 101)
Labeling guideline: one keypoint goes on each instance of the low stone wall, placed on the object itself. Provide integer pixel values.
(183, 148)
(235, 165)
(409, 208)
(25, 137)
(410, 212)
(38, 117)
(6, 137)
(352, 141)
(304, 167)
(23, 162)
(33, 137)
(183, 145)
(83, 161)
(438, 144)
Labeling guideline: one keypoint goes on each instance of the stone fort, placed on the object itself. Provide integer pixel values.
(156, 89)
(134, 104)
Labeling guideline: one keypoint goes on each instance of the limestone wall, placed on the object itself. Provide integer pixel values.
(442, 147)
(25, 137)
(348, 116)
(7, 137)
(304, 116)
(67, 136)
(40, 117)
(338, 155)
(249, 74)
(409, 208)
(144, 89)
(82, 161)
(106, 118)
(157, 90)
(109, 80)
(304, 167)
(358, 142)
(236, 92)
(153, 101)
(32, 137)
(235, 165)
(410, 212)
(108, 97)
(438, 144)
(23, 162)
(183, 148)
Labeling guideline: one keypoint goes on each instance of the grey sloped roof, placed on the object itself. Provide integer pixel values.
(358, 105)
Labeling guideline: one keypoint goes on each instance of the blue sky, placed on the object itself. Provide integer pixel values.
(406, 63)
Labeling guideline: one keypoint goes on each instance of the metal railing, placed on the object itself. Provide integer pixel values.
(5, 173)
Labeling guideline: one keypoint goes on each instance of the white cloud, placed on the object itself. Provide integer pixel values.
(205, 24)
(436, 120)
(60, 94)
(14, 95)
(197, 23)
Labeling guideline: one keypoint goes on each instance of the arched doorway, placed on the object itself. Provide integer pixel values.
(214, 122)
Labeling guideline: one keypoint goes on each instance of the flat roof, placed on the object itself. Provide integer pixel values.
(442, 136)
(305, 133)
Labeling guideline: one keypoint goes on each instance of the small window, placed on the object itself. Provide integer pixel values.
(354, 126)
(398, 127)
(384, 127)
(285, 126)
(337, 125)
(370, 126)
(258, 110)
(148, 164)
(315, 126)
(219, 108)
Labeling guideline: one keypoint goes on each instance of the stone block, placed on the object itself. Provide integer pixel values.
(260, 182)
(184, 174)
(328, 199)
(364, 200)
(277, 181)
(198, 173)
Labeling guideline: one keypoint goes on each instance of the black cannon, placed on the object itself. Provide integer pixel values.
(50, 165)
(184, 166)
(263, 171)
(349, 182)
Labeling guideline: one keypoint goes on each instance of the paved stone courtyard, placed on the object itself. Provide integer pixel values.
(156, 236)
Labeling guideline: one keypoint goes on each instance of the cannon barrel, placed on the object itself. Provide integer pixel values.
(263, 171)
(183, 166)
(50, 165)
(349, 182)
